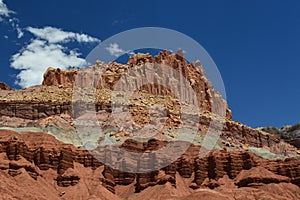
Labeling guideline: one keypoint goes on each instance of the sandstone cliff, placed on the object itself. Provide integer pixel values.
(43, 148)
(37, 153)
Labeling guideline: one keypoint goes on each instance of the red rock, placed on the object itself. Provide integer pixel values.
(46, 153)
(59, 77)
(39, 166)
(257, 176)
(3, 86)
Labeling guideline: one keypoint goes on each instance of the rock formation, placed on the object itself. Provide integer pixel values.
(47, 151)
(3, 86)
(35, 153)
(290, 134)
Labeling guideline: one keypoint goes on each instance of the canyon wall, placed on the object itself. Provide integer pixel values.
(45, 152)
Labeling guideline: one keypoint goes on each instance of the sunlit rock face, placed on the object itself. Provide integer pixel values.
(48, 149)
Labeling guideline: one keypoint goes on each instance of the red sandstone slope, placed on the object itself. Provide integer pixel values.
(243, 163)
(38, 165)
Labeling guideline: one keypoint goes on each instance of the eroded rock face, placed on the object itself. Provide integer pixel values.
(290, 134)
(68, 178)
(33, 111)
(258, 176)
(112, 72)
(45, 152)
(56, 95)
(244, 162)
(59, 77)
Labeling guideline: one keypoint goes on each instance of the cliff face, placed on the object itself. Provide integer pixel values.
(193, 72)
(35, 153)
(59, 77)
(55, 95)
(243, 162)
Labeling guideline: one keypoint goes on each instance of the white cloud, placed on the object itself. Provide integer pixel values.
(14, 22)
(47, 49)
(19, 31)
(37, 56)
(56, 35)
(4, 11)
(115, 50)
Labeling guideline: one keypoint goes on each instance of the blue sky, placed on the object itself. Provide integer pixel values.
(255, 44)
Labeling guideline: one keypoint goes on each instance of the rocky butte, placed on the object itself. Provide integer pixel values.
(46, 154)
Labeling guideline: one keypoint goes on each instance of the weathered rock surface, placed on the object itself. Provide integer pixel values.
(257, 176)
(290, 134)
(37, 152)
(59, 77)
(105, 76)
(243, 162)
